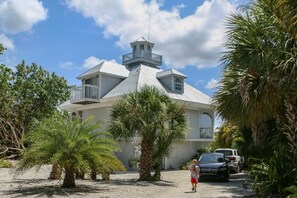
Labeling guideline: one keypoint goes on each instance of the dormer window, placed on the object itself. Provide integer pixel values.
(178, 85)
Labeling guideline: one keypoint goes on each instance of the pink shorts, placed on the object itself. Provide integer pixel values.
(194, 180)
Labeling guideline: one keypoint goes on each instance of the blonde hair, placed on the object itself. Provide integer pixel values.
(194, 160)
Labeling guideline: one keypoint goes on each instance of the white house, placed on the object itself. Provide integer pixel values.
(105, 83)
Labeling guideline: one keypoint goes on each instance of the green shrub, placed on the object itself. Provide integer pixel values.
(5, 163)
(293, 190)
(274, 175)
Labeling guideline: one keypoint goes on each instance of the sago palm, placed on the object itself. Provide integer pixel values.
(71, 145)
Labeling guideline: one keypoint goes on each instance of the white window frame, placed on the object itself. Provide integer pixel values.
(178, 86)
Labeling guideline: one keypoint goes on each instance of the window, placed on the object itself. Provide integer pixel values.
(178, 85)
(205, 123)
(92, 81)
(141, 47)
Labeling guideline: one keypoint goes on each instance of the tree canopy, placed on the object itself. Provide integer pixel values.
(150, 115)
(258, 89)
(72, 145)
(27, 93)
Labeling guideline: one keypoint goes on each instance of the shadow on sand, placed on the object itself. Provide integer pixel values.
(49, 191)
(98, 186)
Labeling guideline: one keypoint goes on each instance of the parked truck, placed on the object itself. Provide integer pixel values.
(236, 161)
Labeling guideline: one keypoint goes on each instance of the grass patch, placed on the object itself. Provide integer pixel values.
(5, 163)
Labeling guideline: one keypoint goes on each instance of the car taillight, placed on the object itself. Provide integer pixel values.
(231, 158)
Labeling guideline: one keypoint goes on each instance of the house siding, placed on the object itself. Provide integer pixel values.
(100, 114)
(108, 83)
(182, 152)
(168, 82)
(193, 124)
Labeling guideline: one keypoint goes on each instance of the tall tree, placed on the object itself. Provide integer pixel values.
(260, 67)
(173, 130)
(71, 145)
(28, 93)
(259, 81)
(142, 114)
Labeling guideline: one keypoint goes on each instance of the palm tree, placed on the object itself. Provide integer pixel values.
(260, 67)
(71, 145)
(259, 81)
(173, 130)
(141, 114)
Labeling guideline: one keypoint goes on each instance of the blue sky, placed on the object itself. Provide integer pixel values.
(69, 36)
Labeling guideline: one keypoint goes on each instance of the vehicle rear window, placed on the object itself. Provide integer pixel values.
(210, 159)
(225, 152)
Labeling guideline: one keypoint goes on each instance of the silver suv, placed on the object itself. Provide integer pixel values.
(236, 161)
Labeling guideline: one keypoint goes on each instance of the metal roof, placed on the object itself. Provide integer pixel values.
(106, 67)
(170, 72)
(146, 75)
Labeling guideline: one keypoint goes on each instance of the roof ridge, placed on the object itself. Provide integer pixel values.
(100, 63)
(137, 84)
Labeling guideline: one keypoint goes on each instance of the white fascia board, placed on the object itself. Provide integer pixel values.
(193, 105)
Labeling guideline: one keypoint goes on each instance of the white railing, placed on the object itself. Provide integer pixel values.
(84, 92)
(156, 58)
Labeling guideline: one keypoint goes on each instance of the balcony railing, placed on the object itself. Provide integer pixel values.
(142, 56)
(84, 94)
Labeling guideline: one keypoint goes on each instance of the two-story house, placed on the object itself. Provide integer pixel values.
(107, 82)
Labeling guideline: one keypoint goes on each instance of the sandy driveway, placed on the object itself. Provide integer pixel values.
(174, 184)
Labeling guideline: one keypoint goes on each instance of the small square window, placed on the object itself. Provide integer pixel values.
(178, 85)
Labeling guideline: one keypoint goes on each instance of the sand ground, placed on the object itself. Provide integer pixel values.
(34, 183)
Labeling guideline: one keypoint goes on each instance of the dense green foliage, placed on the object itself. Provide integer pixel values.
(27, 93)
(170, 133)
(226, 136)
(258, 90)
(155, 119)
(72, 145)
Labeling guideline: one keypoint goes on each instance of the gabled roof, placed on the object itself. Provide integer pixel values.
(145, 75)
(106, 67)
(170, 72)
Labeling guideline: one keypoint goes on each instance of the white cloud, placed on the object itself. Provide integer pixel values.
(68, 65)
(93, 61)
(18, 16)
(212, 84)
(7, 43)
(198, 82)
(192, 40)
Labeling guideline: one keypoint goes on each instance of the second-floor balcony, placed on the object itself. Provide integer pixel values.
(84, 94)
(142, 57)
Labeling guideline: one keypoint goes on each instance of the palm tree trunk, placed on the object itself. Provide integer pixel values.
(157, 175)
(69, 179)
(56, 172)
(93, 174)
(291, 126)
(145, 160)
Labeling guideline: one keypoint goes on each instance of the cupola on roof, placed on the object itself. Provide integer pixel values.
(142, 54)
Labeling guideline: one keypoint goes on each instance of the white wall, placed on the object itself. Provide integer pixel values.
(108, 83)
(100, 114)
(168, 82)
(182, 153)
(193, 124)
